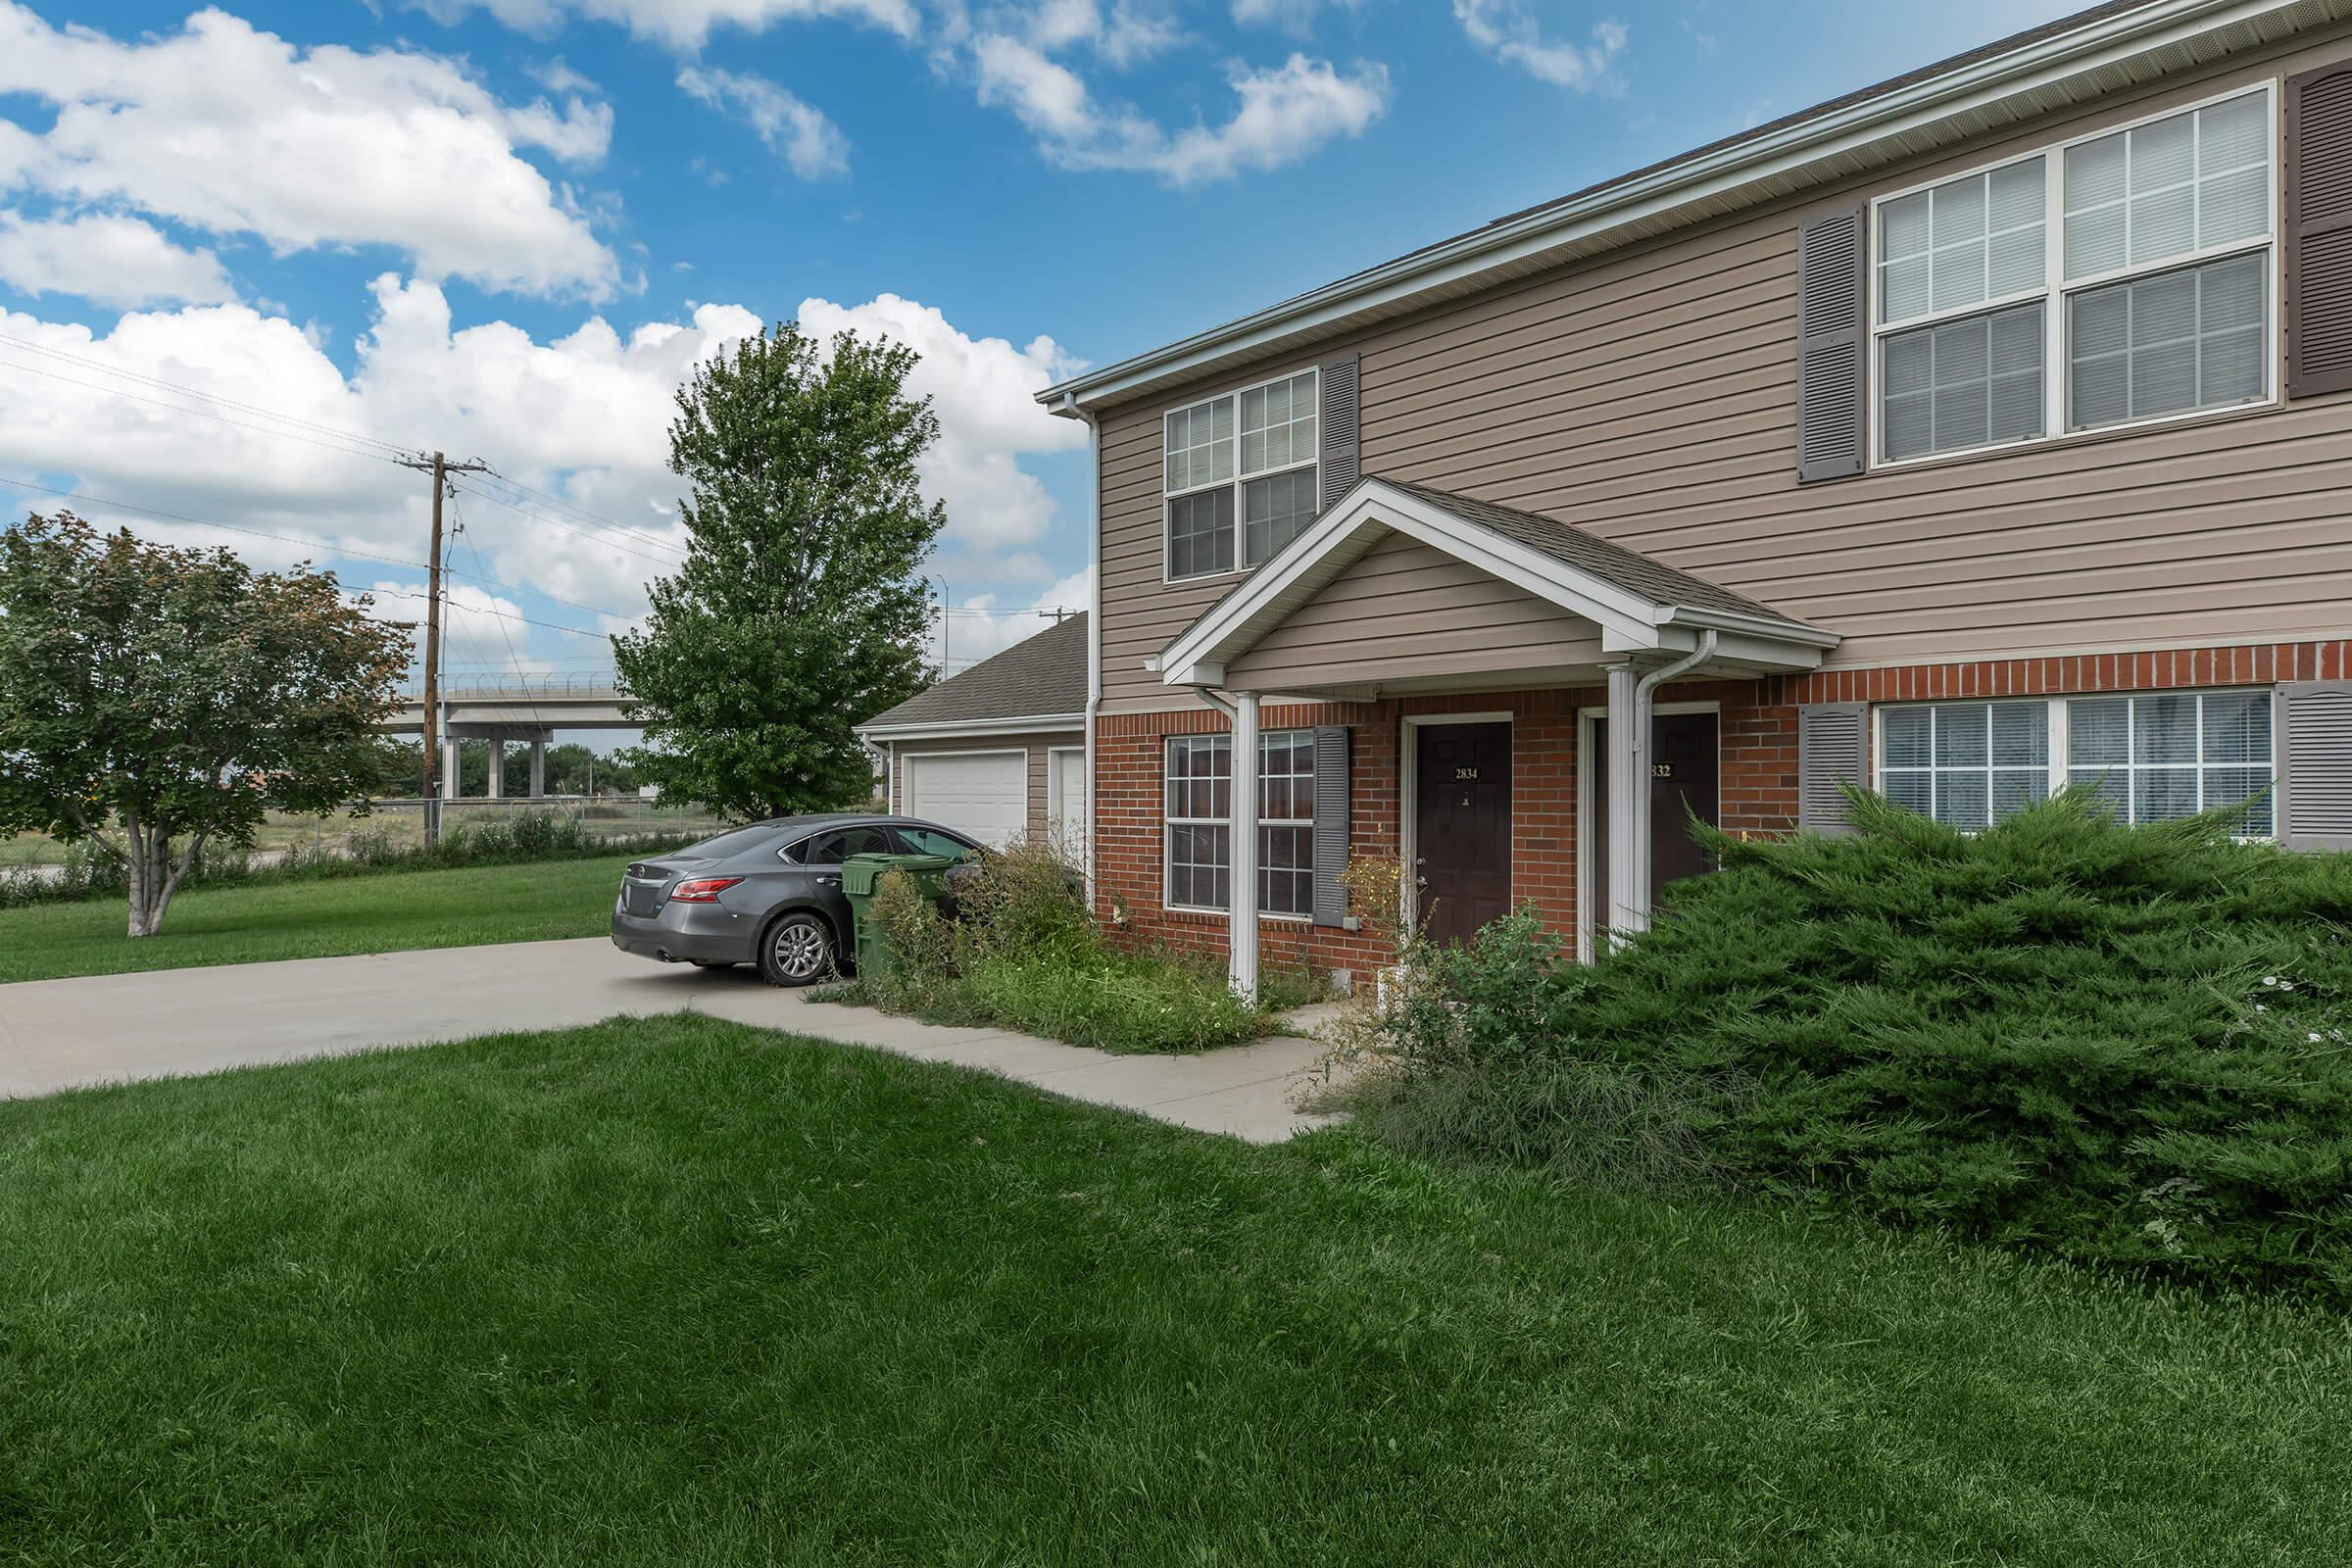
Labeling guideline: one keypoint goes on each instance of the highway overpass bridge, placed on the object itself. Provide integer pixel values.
(526, 709)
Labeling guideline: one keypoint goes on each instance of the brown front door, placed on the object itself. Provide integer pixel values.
(1682, 783)
(1461, 827)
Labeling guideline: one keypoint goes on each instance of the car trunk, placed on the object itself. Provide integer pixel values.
(646, 883)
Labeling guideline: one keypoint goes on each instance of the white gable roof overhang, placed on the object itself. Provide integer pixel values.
(1632, 623)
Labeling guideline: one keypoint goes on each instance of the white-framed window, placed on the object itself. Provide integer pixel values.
(1200, 822)
(2152, 755)
(2165, 754)
(1966, 764)
(2116, 278)
(1239, 477)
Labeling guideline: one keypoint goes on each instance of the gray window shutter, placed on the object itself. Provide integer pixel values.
(1833, 747)
(1330, 824)
(1833, 332)
(1337, 429)
(2316, 197)
(2313, 805)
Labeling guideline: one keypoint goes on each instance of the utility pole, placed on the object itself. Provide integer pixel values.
(440, 468)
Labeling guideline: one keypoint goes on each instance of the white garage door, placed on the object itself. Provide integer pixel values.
(1068, 770)
(981, 792)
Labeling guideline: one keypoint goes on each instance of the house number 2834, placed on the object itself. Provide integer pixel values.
(1465, 773)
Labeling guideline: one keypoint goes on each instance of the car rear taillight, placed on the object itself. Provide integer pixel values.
(702, 889)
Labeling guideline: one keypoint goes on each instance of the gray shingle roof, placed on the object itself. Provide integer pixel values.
(1563, 542)
(1042, 677)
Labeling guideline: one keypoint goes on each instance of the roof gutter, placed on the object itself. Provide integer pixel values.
(1694, 178)
(947, 729)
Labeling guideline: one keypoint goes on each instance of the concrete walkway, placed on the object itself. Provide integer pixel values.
(57, 1034)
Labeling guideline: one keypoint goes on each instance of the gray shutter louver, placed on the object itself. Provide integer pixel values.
(1330, 824)
(1833, 747)
(2313, 803)
(1337, 442)
(1831, 342)
(2315, 194)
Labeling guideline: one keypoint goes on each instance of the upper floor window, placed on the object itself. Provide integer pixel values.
(1239, 475)
(2121, 277)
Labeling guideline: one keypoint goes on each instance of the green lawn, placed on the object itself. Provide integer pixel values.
(314, 919)
(679, 1292)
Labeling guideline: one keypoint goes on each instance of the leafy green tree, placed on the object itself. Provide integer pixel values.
(799, 611)
(153, 698)
(399, 768)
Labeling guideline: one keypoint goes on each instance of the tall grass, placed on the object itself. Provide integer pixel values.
(1019, 951)
(513, 839)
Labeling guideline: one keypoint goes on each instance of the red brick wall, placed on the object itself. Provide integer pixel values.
(1758, 780)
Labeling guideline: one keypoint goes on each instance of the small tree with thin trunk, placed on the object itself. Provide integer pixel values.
(154, 699)
(799, 611)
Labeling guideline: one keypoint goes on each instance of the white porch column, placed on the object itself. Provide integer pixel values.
(449, 768)
(1242, 906)
(538, 767)
(498, 765)
(1629, 867)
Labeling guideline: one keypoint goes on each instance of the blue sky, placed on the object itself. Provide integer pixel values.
(507, 226)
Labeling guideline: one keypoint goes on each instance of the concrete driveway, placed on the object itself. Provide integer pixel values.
(58, 1034)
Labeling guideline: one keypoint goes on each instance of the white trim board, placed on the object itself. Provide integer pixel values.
(1373, 508)
(951, 729)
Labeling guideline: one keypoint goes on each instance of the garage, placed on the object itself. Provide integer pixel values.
(985, 794)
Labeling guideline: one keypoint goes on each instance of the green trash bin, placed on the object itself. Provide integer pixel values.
(860, 875)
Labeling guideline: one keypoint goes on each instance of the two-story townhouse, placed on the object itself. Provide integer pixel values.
(1976, 432)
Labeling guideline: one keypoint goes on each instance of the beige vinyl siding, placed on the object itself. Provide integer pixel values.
(1651, 398)
(1036, 743)
(1407, 611)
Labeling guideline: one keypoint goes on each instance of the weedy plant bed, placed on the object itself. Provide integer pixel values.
(2126, 1047)
(1022, 952)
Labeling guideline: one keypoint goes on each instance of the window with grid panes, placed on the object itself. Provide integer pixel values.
(1240, 476)
(2149, 296)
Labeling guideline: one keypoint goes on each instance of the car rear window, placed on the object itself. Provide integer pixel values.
(935, 841)
(730, 844)
(831, 849)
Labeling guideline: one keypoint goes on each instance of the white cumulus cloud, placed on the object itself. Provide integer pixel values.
(232, 131)
(984, 391)
(794, 130)
(682, 24)
(1510, 32)
(583, 417)
(1292, 15)
(1284, 114)
(107, 259)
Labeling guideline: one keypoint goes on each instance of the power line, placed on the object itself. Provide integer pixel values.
(193, 392)
(225, 527)
(327, 545)
(579, 511)
(202, 414)
(541, 518)
(577, 631)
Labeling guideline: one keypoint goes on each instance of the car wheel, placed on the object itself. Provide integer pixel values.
(797, 951)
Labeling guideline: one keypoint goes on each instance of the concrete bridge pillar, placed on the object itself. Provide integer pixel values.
(538, 767)
(449, 768)
(498, 766)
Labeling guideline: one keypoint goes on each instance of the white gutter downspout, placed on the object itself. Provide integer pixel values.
(1636, 898)
(1071, 408)
(1240, 860)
